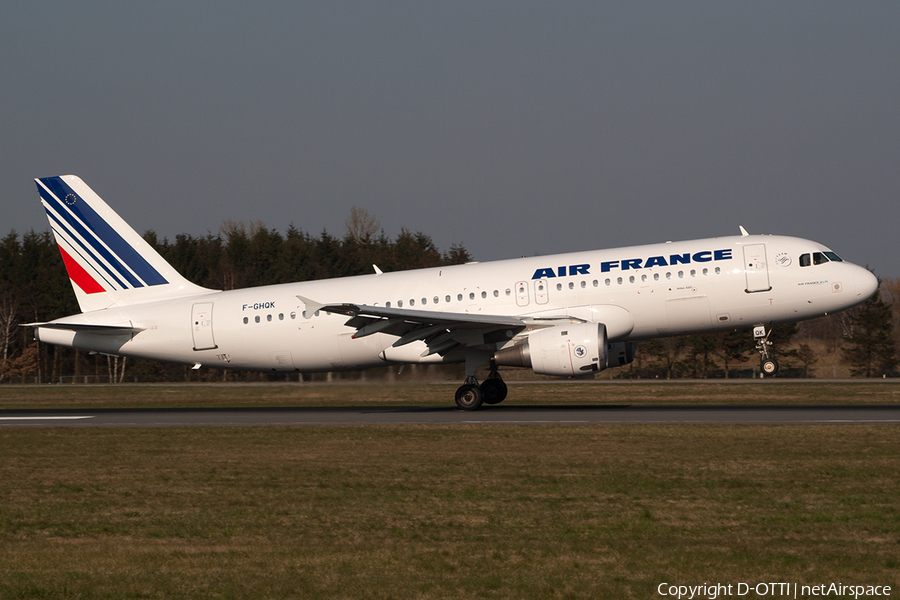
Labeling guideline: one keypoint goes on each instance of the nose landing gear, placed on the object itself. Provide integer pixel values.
(767, 364)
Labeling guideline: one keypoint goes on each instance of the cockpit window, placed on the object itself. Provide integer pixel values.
(819, 258)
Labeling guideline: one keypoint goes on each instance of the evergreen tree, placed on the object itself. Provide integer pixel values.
(664, 354)
(732, 347)
(871, 349)
(699, 359)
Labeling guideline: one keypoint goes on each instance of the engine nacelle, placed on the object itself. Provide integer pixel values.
(619, 354)
(565, 351)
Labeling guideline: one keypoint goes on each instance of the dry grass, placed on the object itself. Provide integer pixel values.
(441, 512)
(441, 394)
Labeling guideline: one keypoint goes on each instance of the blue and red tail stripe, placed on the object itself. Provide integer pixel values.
(94, 241)
(82, 278)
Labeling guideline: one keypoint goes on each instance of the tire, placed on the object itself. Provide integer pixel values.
(469, 397)
(769, 367)
(494, 391)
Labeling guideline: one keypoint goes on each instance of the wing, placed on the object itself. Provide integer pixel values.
(441, 331)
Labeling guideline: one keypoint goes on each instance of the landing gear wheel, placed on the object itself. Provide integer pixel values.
(493, 390)
(469, 397)
(767, 365)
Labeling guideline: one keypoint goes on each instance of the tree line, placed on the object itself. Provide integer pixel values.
(34, 287)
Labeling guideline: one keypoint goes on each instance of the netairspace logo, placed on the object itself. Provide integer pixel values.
(771, 590)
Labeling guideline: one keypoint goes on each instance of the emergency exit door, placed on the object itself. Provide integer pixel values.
(756, 268)
(522, 293)
(202, 327)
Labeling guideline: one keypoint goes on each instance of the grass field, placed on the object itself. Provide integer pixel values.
(441, 394)
(460, 511)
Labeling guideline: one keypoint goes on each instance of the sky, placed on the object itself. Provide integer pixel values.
(512, 128)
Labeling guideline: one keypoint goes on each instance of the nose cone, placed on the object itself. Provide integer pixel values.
(865, 284)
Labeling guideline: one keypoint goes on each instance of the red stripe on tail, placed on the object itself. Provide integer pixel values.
(81, 277)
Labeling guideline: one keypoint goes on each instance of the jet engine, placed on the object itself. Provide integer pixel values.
(563, 351)
(619, 354)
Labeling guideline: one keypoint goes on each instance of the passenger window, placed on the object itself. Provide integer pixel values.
(596, 283)
(656, 277)
(619, 280)
(668, 276)
(834, 257)
(269, 318)
(400, 303)
(387, 304)
(447, 299)
(705, 272)
(436, 299)
(718, 270)
(484, 294)
(281, 316)
(571, 285)
(256, 318)
(558, 287)
(471, 295)
(693, 272)
(643, 278)
(459, 297)
(631, 279)
(508, 291)
(496, 294)
(412, 301)
(246, 320)
(607, 282)
(804, 260)
(680, 274)
(583, 284)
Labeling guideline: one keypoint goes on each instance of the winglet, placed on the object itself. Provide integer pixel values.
(311, 305)
(743, 231)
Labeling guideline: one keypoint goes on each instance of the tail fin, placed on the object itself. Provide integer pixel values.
(108, 263)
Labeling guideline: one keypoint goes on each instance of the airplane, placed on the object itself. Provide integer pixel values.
(564, 315)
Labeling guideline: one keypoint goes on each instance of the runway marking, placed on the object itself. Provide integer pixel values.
(42, 418)
(491, 422)
(857, 421)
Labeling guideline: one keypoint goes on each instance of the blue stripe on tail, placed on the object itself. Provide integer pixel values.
(86, 254)
(68, 205)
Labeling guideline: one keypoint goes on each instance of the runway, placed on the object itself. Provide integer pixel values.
(495, 415)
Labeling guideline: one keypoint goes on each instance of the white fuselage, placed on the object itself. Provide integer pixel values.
(639, 292)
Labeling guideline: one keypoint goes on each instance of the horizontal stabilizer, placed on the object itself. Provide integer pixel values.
(88, 327)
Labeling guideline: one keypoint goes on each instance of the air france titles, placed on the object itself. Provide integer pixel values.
(630, 264)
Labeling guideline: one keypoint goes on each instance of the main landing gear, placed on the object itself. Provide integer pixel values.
(767, 364)
(492, 390)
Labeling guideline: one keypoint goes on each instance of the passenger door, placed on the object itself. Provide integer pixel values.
(756, 268)
(201, 326)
